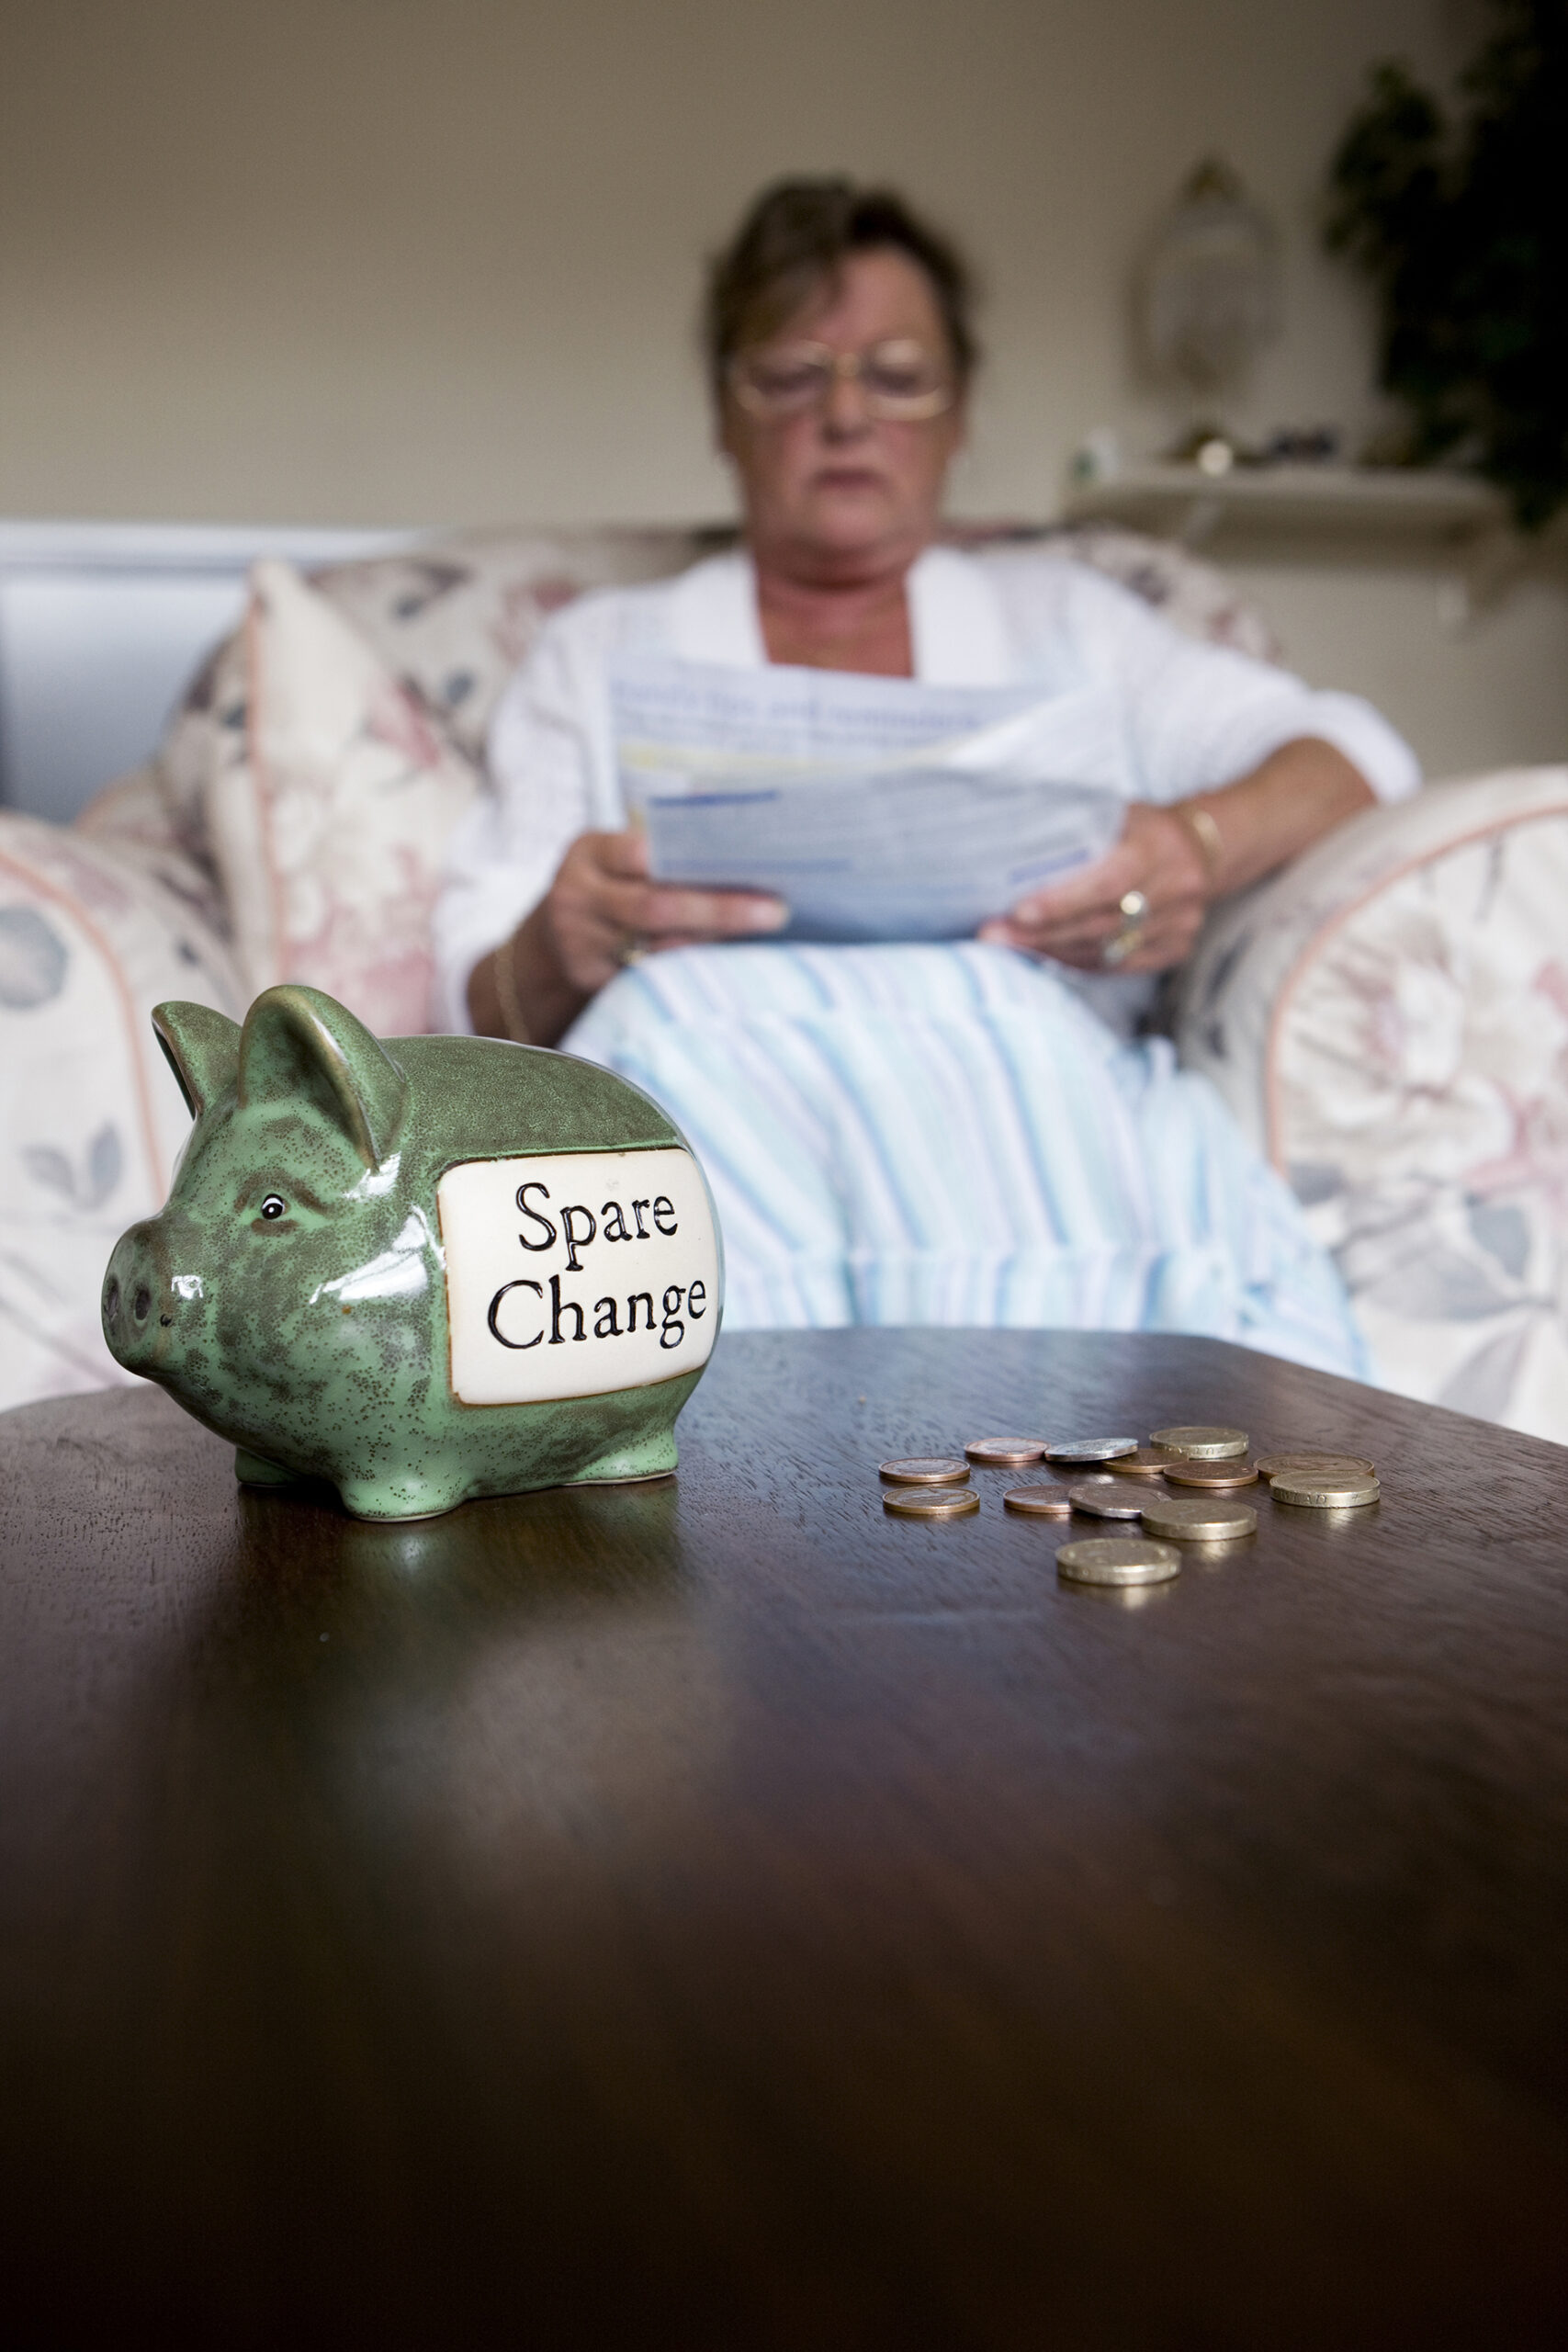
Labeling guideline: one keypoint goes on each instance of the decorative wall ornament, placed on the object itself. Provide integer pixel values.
(1209, 293)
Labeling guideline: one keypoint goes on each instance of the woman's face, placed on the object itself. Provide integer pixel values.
(836, 492)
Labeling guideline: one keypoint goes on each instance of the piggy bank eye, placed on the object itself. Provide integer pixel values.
(274, 1207)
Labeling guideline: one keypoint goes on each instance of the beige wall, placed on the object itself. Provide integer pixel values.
(388, 261)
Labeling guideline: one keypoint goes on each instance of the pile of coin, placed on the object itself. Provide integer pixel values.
(929, 1486)
(1183, 1486)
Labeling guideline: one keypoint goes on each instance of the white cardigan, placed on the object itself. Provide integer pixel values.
(1195, 716)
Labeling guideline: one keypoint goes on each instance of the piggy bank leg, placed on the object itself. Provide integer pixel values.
(650, 1457)
(252, 1471)
(406, 1496)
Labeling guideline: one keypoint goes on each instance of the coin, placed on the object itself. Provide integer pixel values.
(1211, 1473)
(1045, 1502)
(1091, 1449)
(926, 1470)
(1200, 1444)
(1323, 1490)
(1198, 1519)
(1118, 1560)
(930, 1502)
(1139, 1464)
(1006, 1451)
(1107, 1499)
(1271, 1465)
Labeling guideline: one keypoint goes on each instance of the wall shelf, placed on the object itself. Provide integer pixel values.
(1446, 511)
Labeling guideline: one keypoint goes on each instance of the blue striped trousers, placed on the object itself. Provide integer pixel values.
(947, 1135)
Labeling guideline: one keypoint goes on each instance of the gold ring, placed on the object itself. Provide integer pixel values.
(1133, 906)
(1126, 943)
(631, 950)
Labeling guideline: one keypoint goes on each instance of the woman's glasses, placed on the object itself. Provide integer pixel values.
(900, 380)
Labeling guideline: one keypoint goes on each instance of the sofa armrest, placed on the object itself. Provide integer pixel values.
(90, 1117)
(1388, 1019)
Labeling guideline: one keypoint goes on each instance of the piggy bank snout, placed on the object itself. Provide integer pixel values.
(136, 1298)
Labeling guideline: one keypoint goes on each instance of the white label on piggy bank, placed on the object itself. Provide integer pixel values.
(576, 1273)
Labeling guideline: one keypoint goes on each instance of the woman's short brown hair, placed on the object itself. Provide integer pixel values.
(795, 240)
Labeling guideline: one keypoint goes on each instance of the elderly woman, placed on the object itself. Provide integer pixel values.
(962, 1133)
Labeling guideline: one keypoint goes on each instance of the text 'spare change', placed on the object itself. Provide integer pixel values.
(576, 1273)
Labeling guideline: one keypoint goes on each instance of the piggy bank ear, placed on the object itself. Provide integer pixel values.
(202, 1048)
(299, 1043)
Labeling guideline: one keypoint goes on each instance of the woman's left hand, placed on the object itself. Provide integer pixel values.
(1156, 856)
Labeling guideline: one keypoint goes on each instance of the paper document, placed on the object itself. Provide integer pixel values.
(879, 809)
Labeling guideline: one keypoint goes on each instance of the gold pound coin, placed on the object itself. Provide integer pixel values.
(926, 1470)
(1200, 1444)
(1091, 1449)
(1142, 1463)
(1198, 1519)
(1211, 1473)
(1007, 1452)
(930, 1502)
(1315, 1490)
(1042, 1502)
(1107, 1499)
(1118, 1560)
(1332, 1465)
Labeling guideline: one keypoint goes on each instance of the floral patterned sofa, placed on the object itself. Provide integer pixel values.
(1388, 1019)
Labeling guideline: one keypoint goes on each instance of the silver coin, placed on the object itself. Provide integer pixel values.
(926, 1470)
(1107, 1499)
(1118, 1560)
(1008, 1451)
(1090, 1449)
(930, 1502)
(1198, 1519)
(1200, 1443)
(1315, 1490)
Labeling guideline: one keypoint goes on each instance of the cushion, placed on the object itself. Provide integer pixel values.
(133, 817)
(328, 833)
(91, 1120)
(1389, 1020)
(454, 618)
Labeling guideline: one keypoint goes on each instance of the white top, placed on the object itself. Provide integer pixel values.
(1195, 716)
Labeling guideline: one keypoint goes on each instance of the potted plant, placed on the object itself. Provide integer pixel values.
(1461, 224)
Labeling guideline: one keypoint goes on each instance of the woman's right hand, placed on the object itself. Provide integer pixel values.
(601, 911)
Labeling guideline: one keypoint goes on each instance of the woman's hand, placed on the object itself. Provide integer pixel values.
(1158, 856)
(600, 912)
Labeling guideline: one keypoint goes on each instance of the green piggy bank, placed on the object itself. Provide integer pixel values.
(423, 1270)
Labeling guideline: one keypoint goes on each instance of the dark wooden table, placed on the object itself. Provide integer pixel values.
(718, 1916)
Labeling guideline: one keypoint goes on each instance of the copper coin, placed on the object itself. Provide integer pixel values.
(1107, 1499)
(926, 1470)
(1211, 1473)
(1139, 1464)
(1198, 1519)
(1043, 1503)
(1323, 1490)
(930, 1502)
(1006, 1452)
(1200, 1444)
(1118, 1560)
(1090, 1449)
(1335, 1464)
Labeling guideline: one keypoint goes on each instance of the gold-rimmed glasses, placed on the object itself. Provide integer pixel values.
(901, 380)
